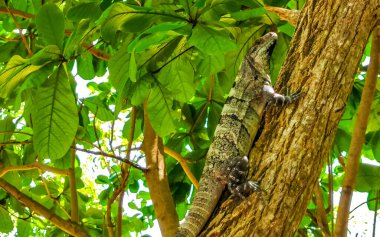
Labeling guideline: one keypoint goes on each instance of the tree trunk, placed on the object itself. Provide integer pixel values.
(288, 156)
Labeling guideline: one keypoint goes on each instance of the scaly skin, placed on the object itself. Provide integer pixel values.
(234, 135)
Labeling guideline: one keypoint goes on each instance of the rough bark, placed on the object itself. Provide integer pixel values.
(289, 154)
(157, 180)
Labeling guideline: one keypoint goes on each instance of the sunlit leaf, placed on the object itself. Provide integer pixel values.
(50, 23)
(211, 41)
(368, 178)
(6, 223)
(55, 116)
(160, 111)
(14, 74)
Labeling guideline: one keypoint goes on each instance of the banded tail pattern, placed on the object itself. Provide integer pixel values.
(234, 135)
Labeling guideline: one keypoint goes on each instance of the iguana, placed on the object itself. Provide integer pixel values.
(226, 160)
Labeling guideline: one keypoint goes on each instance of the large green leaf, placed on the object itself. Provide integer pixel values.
(368, 178)
(84, 10)
(85, 66)
(6, 125)
(48, 54)
(250, 13)
(211, 41)
(14, 74)
(6, 223)
(98, 108)
(50, 24)
(118, 67)
(24, 228)
(54, 115)
(76, 37)
(126, 18)
(177, 77)
(160, 111)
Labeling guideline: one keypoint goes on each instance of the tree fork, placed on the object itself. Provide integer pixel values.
(289, 155)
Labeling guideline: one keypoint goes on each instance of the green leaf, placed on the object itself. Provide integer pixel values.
(50, 24)
(132, 67)
(247, 14)
(6, 223)
(160, 112)
(23, 137)
(287, 29)
(368, 178)
(127, 129)
(118, 67)
(48, 54)
(14, 74)
(84, 10)
(98, 108)
(55, 116)
(373, 202)
(24, 228)
(102, 179)
(140, 92)
(6, 125)
(85, 66)
(210, 64)
(211, 41)
(177, 77)
(279, 55)
(375, 144)
(126, 18)
(74, 41)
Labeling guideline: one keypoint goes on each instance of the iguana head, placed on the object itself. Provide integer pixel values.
(259, 54)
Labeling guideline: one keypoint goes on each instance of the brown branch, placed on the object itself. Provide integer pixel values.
(358, 137)
(14, 143)
(16, 12)
(157, 180)
(290, 16)
(102, 153)
(12, 132)
(321, 212)
(96, 52)
(6, 169)
(89, 47)
(73, 190)
(182, 161)
(361, 204)
(30, 53)
(65, 225)
(55, 200)
(9, 39)
(125, 174)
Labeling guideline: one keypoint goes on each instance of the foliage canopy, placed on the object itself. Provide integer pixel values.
(179, 57)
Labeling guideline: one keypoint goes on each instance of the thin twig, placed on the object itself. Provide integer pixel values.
(102, 153)
(73, 190)
(125, 174)
(6, 169)
(30, 53)
(182, 161)
(55, 200)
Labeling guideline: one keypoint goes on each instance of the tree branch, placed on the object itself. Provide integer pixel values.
(67, 226)
(73, 189)
(6, 169)
(182, 161)
(102, 153)
(157, 179)
(358, 137)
